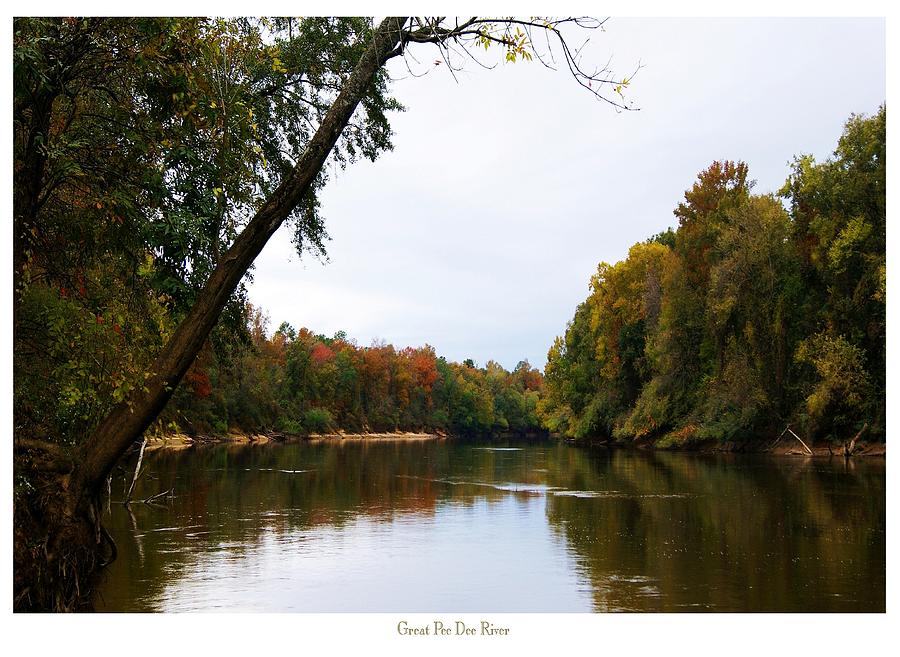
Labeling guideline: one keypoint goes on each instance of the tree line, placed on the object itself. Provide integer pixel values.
(757, 312)
(299, 382)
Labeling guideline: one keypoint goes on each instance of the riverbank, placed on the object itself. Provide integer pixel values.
(861, 449)
(782, 448)
(184, 441)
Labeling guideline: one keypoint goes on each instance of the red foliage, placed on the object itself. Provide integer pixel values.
(199, 381)
(425, 367)
(533, 380)
(321, 354)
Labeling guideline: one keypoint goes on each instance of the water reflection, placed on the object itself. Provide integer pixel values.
(462, 527)
(725, 533)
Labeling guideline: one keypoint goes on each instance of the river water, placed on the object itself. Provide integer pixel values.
(461, 526)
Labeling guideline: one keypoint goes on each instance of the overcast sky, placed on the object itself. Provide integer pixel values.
(479, 232)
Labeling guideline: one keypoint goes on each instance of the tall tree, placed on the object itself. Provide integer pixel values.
(838, 210)
(205, 92)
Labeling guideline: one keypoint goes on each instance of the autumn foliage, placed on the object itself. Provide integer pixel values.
(755, 313)
(297, 381)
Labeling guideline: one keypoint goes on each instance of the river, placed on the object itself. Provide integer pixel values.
(482, 526)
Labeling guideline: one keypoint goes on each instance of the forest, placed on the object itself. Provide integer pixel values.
(297, 382)
(153, 158)
(757, 312)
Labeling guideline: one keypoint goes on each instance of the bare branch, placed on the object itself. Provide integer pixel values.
(459, 37)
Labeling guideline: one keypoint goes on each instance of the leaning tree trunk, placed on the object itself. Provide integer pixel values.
(129, 419)
(69, 519)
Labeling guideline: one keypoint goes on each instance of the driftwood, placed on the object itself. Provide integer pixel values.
(851, 446)
(137, 472)
(786, 430)
(165, 493)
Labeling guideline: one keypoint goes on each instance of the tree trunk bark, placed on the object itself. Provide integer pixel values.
(129, 419)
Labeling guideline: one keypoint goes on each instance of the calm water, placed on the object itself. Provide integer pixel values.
(489, 527)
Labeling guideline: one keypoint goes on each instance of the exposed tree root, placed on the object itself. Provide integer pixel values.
(60, 548)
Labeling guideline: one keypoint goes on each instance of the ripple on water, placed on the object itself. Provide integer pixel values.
(615, 494)
(276, 470)
(523, 488)
(510, 487)
(174, 529)
(497, 449)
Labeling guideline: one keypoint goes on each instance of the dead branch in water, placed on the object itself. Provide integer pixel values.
(851, 446)
(137, 472)
(786, 430)
(165, 493)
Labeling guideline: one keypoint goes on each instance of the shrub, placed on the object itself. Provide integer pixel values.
(290, 426)
(318, 420)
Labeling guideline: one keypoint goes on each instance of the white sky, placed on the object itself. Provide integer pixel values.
(479, 232)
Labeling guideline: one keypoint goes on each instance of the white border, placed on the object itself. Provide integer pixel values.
(667, 635)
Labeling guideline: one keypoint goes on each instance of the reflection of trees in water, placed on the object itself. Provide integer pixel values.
(668, 531)
(232, 497)
(736, 533)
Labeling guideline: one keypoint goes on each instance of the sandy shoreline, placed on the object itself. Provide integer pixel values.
(785, 448)
(181, 440)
